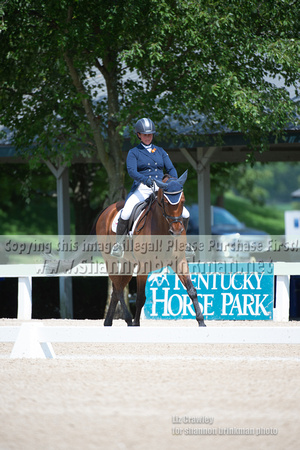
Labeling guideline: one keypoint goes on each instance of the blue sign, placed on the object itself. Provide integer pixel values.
(226, 291)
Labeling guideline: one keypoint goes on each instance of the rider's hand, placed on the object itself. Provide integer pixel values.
(149, 182)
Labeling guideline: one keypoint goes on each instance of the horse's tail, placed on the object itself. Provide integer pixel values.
(54, 264)
(93, 229)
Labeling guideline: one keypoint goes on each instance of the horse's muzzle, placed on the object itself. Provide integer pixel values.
(174, 231)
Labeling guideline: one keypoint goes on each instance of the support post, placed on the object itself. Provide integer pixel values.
(61, 174)
(63, 201)
(204, 205)
(282, 310)
(202, 167)
(24, 298)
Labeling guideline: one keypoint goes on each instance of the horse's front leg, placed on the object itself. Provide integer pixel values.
(118, 284)
(111, 309)
(191, 290)
(140, 298)
(184, 276)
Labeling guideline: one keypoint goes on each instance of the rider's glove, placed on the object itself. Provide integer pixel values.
(149, 182)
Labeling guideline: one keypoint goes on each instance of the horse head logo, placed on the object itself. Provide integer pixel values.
(158, 278)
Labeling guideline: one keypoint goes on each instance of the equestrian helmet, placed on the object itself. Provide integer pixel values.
(145, 126)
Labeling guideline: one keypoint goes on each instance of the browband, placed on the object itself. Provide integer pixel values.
(173, 193)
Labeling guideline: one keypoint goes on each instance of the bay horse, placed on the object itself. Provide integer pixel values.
(163, 217)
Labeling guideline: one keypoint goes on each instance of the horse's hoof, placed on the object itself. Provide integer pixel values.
(134, 324)
(201, 323)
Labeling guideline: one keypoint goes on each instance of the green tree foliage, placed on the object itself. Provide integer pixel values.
(202, 64)
(20, 215)
(277, 181)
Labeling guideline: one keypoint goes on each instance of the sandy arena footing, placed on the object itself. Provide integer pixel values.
(144, 396)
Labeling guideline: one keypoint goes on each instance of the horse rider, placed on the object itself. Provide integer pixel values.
(145, 164)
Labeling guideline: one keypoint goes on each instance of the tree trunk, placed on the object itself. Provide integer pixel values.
(110, 152)
(220, 201)
(81, 184)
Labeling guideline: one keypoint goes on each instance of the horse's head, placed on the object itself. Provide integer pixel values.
(171, 198)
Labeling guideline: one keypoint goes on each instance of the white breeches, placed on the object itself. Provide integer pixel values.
(139, 195)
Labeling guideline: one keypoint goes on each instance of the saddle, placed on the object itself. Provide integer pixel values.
(135, 214)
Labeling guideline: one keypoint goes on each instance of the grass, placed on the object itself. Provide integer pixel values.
(40, 216)
(265, 218)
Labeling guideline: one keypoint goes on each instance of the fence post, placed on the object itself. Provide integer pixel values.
(24, 298)
(281, 312)
(28, 345)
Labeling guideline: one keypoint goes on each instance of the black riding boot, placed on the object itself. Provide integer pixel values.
(189, 251)
(122, 229)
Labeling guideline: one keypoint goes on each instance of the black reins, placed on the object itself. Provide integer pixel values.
(152, 199)
(169, 219)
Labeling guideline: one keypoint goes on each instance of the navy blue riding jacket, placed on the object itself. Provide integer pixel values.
(142, 164)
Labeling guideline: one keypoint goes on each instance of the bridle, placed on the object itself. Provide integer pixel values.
(171, 219)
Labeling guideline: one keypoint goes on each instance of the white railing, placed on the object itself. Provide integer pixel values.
(34, 340)
(25, 273)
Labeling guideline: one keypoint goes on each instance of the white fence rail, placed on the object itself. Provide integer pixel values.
(34, 340)
(25, 273)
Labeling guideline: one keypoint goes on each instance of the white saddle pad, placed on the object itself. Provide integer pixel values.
(116, 219)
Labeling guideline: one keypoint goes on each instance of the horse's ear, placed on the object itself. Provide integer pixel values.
(183, 178)
(160, 184)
